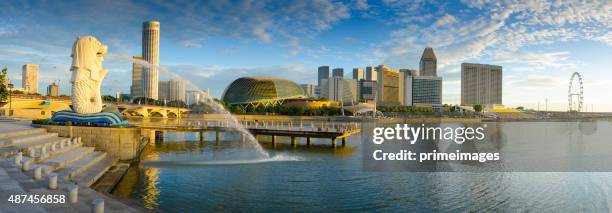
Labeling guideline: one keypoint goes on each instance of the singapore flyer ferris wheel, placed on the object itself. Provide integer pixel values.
(575, 93)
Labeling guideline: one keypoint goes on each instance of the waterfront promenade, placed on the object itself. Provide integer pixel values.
(36, 162)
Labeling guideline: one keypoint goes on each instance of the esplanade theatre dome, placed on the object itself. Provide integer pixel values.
(262, 91)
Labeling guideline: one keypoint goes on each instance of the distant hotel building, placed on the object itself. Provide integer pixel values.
(339, 89)
(310, 89)
(136, 90)
(29, 78)
(481, 84)
(421, 90)
(195, 97)
(323, 73)
(357, 74)
(389, 88)
(338, 72)
(428, 65)
(172, 90)
(366, 90)
(150, 53)
(371, 74)
(53, 90)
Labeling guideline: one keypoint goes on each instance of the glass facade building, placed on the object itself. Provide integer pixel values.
(265, 91)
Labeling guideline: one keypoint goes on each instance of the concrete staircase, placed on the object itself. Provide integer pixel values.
(29, 156)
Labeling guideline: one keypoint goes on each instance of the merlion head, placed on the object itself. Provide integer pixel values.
(88, 53)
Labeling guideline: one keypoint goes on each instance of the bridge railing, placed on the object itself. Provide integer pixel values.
(342, 127)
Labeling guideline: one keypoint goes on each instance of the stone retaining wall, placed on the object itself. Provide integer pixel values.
(124, 143)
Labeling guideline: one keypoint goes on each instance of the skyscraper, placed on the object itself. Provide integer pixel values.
(357, 74)
(323, 72)
(150, 53)
(481, 84)
(339, 89)
(29, 78)
(370, 74)
(136, 89)
(310, 89)
(338, 72)
(53, 90)
(429, 64)
(421, 90)
(390, 86)
(172, 90)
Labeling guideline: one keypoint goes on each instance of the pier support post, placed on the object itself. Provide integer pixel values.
(293, 141)
(343, 142)
(159, 136)
(333, 142)
(217, 136)
(38, 173)
(74, 193)
(18, 159)
(52, 180)
(97, 205)
(202, 136)
(273, 140)
(26, 165)
(308, 141)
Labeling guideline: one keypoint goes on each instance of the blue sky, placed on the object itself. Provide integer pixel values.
(538, 43)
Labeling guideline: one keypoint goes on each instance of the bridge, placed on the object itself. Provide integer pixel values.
(35, 107)
(146, 111)
(294, 130)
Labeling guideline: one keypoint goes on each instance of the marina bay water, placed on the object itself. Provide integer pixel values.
(186, 175)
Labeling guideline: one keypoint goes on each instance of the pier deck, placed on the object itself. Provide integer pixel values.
(337, 131)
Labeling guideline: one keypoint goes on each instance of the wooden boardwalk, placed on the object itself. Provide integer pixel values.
(333, 131)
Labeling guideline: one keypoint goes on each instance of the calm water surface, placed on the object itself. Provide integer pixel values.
(177, 175)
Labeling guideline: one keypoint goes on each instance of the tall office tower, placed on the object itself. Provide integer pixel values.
(421, 90)
(164, 90)
(136, 88)
(339, 89)
(172, 90)
(371, 74)
(429, 64)
(53, 90)
(29, 78)
(366, 90)
(150, 53)
(357, 74)
(310, 89)
(338, 72)
(389, 91)
(323, 72)
(481, 84)
(176, 90)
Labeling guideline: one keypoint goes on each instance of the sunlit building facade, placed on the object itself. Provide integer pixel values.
(150, 53)
(339, 89)
(29, 78)
(481, 84)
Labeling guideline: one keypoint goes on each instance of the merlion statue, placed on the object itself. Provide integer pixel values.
(87, 74)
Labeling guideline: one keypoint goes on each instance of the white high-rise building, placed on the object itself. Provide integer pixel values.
(136, 90)
(481, 84)
(29, 78)
(339, 89)
(172, 90)
(357, 74)
(150, 53)
(310, 89)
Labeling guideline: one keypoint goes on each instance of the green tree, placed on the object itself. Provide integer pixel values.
(478, 108)
(4, 90)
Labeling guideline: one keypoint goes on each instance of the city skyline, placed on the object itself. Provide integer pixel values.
(539, 44)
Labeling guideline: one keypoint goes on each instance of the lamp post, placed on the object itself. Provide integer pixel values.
(10, 86)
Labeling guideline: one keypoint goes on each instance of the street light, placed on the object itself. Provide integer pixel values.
(10, 86)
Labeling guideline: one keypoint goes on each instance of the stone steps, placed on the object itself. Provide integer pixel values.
(26, 138)
(12, 150)
(94, 173)
(22, 132)
(62, 160)
(81, 165)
